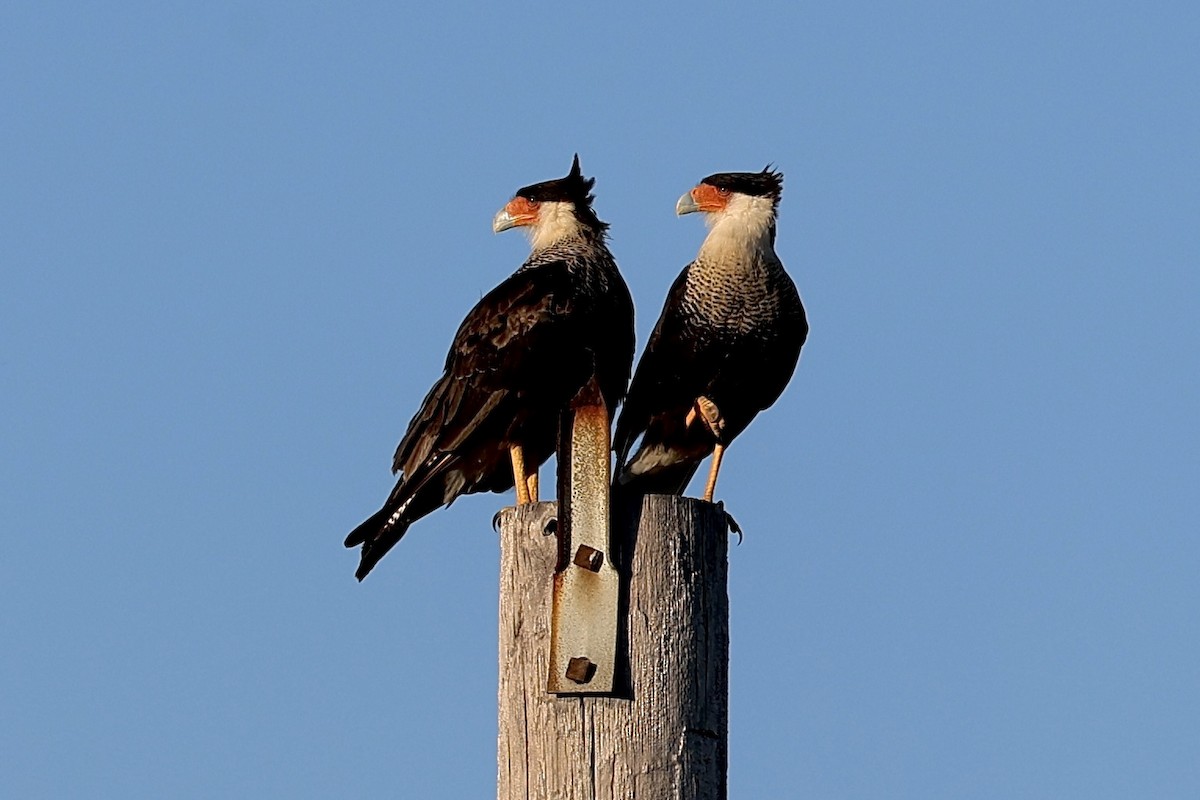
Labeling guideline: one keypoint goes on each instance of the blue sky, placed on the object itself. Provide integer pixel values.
(236, 240)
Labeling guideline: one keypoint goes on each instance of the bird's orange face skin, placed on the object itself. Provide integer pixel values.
(710, 198)
(522, 211)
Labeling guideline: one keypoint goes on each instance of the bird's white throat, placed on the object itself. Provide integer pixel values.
(556, 221)
(744, 225)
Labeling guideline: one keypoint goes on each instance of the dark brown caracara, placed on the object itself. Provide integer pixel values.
(724, 347)
(517, 360)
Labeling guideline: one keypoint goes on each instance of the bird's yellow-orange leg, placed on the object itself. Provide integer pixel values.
(519, 476)
(532, 483)
(707, 411)
(710, 487)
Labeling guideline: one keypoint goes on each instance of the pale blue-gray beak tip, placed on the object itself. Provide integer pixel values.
(503, 221)
(686, 204)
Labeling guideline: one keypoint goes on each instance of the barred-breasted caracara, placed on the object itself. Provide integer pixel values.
(724, 347)
(517, 360)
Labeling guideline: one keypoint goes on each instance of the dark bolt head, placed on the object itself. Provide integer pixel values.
(589, 558)
(580, 670)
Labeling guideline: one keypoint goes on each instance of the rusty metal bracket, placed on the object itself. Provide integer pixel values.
(583, 623)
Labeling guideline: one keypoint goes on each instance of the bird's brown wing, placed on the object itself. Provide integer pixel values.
(508, 348)
(501, 373)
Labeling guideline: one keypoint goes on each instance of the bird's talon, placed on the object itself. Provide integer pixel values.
(730, 522)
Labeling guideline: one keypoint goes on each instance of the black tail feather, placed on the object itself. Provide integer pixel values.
(377, 535)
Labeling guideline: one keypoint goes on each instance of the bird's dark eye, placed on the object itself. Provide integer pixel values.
(721, 190)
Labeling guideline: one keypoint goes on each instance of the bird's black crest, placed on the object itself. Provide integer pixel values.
(768, 183)
(574, 188)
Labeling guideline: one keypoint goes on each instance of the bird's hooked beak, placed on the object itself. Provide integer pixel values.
(516, 212)
(687, 204)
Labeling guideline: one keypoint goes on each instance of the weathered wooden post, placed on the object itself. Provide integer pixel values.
(662, 733)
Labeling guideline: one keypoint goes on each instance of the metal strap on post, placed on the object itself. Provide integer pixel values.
(583, 626)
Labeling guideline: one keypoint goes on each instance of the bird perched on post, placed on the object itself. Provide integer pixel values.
(725, 345)
(519, 357)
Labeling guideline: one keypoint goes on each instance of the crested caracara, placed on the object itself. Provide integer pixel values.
(725, 345)
(519, 357)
